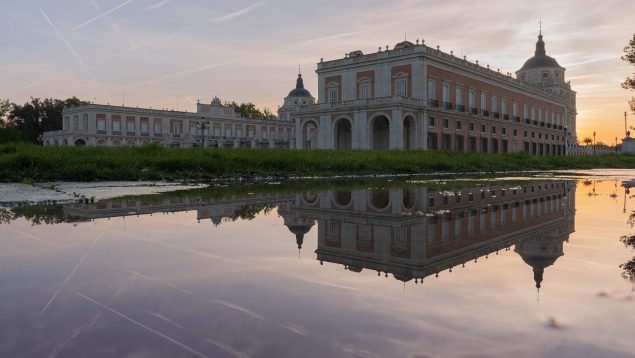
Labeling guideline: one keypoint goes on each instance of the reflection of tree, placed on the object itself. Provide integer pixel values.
(249, 212)
(36, 214)
(628, 269)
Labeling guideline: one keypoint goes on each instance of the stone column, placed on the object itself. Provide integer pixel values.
(396, 129)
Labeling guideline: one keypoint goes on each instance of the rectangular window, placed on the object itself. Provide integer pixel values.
(504, 130)
(432, 89)
(493, 129)
(144, 127)
(483, 101)
(514, 109)
(157, 127)
(503, 105)
(431, 122)
(459, 95)
(472, 98)
(116, 126)
(401, 86)
(446, 123)
(333, 94)
(471, 126)
(446, 92)
(101, 125)
(483, 128)
(130, 126)
(525, 110)
(458, 125)
(494, 104)
(364, 91)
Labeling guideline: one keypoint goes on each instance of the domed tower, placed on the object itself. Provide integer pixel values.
(299, 96)
(540, 253)
(545, 72)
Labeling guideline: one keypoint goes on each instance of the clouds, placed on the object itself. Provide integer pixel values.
(259, 44)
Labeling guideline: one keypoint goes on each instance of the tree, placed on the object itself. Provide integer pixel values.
(5, 108)
(249, 110)
(629, 56)
(38, 116)
(587, 140)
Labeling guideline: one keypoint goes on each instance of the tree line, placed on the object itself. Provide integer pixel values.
(26, 122)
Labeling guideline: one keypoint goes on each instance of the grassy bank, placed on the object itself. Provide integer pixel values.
(19, 162)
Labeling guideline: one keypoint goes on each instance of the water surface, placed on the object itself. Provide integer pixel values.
(519, 267)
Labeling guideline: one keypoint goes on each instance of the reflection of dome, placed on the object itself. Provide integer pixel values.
(402, 277)
(540, 59)
(540, 253)
(299, 90)
(298, 226)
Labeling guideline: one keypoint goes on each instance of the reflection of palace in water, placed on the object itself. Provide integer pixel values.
(410, 233)
(217, 210)
(417, 232)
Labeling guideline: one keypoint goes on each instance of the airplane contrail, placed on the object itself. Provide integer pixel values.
(239, 12)
(103, 14)
(70, 48)
(164, 336)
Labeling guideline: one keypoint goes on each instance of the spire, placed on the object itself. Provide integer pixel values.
(299, 83)
(540, 46)
(538, 275)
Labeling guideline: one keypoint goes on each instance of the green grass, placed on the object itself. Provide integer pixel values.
(27, 162)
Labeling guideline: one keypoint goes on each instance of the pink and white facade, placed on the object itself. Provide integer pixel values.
(417, 97)
(212, 125)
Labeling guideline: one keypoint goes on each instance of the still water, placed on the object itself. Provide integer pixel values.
(511, 267)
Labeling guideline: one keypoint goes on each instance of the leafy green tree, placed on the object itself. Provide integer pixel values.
(38, 116)
(249, 110)
(629, 56)
(5, 108)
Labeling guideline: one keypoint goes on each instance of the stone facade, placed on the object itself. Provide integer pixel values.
(213, 125)
(418, 97)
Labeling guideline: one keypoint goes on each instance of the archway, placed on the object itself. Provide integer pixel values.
(80, 143)
(56, 143)
(379, 200)
(343, 198)
(130, 143)
(381, 133)
(309, 135)
(409, 133)
(343, 135)
(65, 142)
(116, 143)
(101, 142)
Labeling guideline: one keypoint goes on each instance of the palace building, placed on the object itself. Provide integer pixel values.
(409, 97)
(417, 97)
(212, 125)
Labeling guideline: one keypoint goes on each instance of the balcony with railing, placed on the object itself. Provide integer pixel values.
(516, 118)
(448, 106)
(131, 134)
(158, 134)
(535, 122)
(474, 110)
(116, 132)
(145, 134)
(460, 108)
(101, 131)
(433, 103)
(496, 115)
(506, 117)
(542, 124)
(527, 121)
(484, 113)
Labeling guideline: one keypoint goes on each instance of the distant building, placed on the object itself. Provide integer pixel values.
(418, 97)
(214, 124)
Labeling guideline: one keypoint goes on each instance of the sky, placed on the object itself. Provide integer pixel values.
(171, 53)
